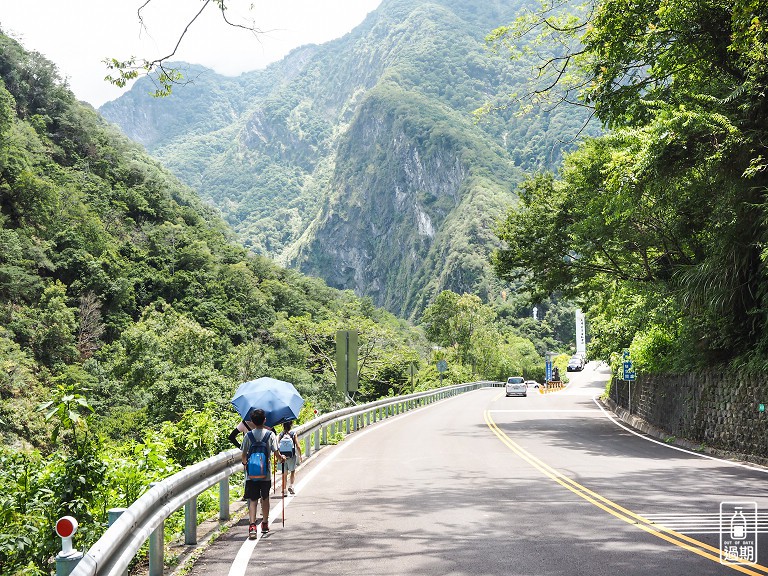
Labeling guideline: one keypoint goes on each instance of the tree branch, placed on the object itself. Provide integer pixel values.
(132, 68)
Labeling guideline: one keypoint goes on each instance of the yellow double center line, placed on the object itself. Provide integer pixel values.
(681, 540)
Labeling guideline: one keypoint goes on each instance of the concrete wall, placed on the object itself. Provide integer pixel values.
(714, 409)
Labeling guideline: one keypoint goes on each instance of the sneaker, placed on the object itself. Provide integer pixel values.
(252, 533)
(290, 490)
(264, 527)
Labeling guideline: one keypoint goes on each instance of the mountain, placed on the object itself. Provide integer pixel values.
(117, 279)
(359, 161)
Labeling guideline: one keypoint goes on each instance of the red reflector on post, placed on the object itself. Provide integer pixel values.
(66, 527)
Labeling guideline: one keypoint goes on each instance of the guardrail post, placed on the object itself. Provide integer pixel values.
(224, 499)
(156, 546)
(317, 440)
(190, 521)
(112, 515)
(307, 449)
(324, 438)
(156, 550)
(367, 418)
(66, 564)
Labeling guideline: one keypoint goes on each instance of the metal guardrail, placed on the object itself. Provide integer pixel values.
(145, 518)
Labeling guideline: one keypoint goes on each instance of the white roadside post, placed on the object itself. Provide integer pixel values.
(67, 559)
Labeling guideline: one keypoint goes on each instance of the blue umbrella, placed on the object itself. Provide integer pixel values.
(279, 400)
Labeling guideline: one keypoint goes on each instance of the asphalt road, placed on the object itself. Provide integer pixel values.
(484, 484)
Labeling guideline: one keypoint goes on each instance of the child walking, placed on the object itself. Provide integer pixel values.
(290, 447)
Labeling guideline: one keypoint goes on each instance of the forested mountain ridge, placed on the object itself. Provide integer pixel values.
(116, 278)
(320, 142)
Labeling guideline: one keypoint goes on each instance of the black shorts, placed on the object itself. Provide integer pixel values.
(255, 489)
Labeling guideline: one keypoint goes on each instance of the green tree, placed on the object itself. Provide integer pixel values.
(670, 203)
(55, 324)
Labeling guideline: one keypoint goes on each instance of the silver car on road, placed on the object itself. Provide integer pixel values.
(516, 386)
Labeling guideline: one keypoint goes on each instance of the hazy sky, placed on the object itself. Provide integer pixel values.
(77, 35)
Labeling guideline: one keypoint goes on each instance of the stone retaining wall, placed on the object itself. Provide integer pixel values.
(715, 409)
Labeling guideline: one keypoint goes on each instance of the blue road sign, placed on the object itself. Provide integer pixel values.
(549, 370)
(629, 370)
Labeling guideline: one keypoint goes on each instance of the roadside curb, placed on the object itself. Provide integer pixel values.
(640, 425)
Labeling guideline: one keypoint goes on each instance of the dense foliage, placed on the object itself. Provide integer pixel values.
(373, 131)
(658, 226)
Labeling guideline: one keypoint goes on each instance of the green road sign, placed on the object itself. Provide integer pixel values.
(346, 360)
(761, 408)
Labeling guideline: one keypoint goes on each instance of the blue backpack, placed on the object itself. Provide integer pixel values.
(258, 456)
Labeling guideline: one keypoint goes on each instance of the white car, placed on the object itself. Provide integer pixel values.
(532, 384)
(516, 386)
(575, 364)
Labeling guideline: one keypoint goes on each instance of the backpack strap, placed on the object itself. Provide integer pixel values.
(252, 435)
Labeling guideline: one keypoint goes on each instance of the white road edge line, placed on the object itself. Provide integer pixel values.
(546, 411)
(243, 557)
(678, 448)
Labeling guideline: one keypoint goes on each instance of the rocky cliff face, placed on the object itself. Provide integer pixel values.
(402, 192)
(358, 161)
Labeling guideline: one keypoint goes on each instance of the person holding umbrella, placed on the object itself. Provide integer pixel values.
(277, 402)
(257, 442)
